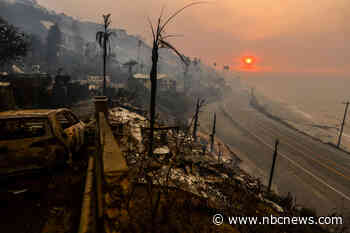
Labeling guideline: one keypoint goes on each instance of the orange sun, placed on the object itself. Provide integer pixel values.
(248, 60)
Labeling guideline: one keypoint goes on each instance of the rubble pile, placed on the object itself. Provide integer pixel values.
(182, 184)
(128, 128)
(180, 162)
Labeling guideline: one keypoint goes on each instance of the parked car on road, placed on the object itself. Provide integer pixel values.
(37, 139)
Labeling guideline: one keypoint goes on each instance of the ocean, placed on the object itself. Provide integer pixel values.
(318, 102)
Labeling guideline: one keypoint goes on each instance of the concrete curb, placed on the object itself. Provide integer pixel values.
(87, 222)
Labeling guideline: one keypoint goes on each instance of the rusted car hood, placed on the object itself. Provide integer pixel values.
(24, 154)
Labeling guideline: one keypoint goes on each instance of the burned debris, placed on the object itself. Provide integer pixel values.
(179, 166)
(123, 149)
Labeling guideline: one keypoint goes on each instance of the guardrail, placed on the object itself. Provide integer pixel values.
(107, 164)
(91, 214)
(87, 216)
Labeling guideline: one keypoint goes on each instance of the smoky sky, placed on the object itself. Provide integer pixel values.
(290, 36)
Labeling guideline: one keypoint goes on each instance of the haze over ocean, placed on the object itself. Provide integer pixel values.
(319, 98)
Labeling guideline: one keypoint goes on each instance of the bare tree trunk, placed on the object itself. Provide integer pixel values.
(194, 134)
(153, 76)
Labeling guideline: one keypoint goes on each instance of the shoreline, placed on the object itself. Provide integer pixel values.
(255, 104)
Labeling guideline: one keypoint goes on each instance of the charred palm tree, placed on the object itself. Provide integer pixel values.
(103, 38)
(160, 41)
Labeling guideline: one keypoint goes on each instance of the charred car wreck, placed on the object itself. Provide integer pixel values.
(38, 139)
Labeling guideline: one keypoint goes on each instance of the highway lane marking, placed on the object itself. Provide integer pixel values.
(305, 170)
(300, 167)
(306, 184)
(316, 160)
(306, 147)
(320, 163)
(327, 166)
(297, 131)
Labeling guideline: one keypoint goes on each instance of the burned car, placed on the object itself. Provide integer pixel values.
(38, 139)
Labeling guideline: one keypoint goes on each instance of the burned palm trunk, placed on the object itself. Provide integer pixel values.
(103, 39)
(153, 76)
(104, 62)
(194, 134)
(212, 135)
(159, 41)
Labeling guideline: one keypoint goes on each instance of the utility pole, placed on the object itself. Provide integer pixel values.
(343, 123)
(212, 135)
(273, 165)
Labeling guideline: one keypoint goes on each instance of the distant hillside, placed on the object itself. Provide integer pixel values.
(78, 35)
(32, 18)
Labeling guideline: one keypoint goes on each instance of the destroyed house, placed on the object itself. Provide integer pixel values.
(29, 89)
(164, 82)
(7, 100)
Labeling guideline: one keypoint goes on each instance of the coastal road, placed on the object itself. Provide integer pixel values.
(316, 174)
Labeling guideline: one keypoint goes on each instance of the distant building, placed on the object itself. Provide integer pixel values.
(96, 81)
(15, 69)
(164, 83)
(29, 89)
(7, 99)
(36, 69)
(167, 84)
